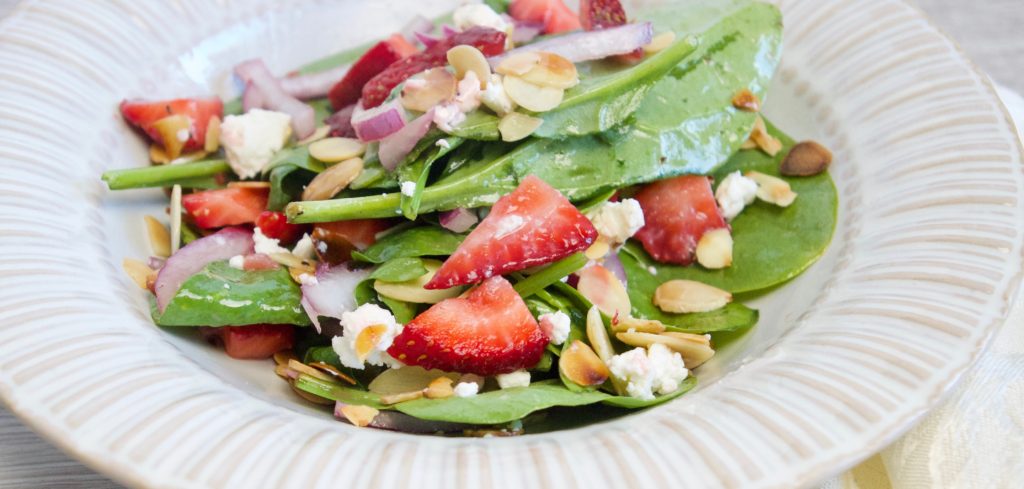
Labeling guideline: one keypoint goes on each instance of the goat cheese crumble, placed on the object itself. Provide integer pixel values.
(616, 222)
(519, 378)
(656, 370)
(265, 245)
(556, 326)
(466, 389)
(353, 323)
(251, 140)
(408, 189)
(734, 193)
(478, 14)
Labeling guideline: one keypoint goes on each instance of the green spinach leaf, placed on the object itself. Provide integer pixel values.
(501, 406)
(338, 392)
(636, 403)
(399, 270)
(413, 242)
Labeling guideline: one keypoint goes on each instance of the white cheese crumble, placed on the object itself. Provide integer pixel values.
(646, 372)
(495, 97)
(307, 279)
(448, 117)
(408, 189)
(466, 389)
(237, 261)
(354, 322)
(556, 326)
(734, 193)
(252, 139)
(443, 143)
(265, 245)
(467, 95)
(519, 378)
(617, 221)
(478, 14)
(304, 248)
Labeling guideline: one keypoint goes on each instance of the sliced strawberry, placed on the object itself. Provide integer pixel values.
(375, 60)
(257, 341)
(677, 212)
(275, 225)
(531, 226)
(145, 114)
(226, 207)
(335, 241)
(488, 41)
(488, 332)
(554, 14)
(258, 261)
(602, 14)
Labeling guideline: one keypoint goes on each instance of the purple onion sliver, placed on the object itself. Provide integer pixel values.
(314, 315)
(379, 122)
(591, 45)
(341, 123)
(428, 40)
(394, 148)
(252, 98)
(314, 85)
(614, 265)
(448, 31)
(525, 32)
(458, 220)
(192, 258)
(256, 73)
(334, 290)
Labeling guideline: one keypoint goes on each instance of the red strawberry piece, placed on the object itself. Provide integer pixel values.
(144, 115)
(488, 332)
(602, 14)
(553, 14)
(677, 212)
(225, 207)
(334, 242)
(531, 226)
(375, 60)
(489, 41)
(275, 225)
(258, 261)
(257, 341)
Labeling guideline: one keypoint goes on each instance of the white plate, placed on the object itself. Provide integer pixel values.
(845, 358)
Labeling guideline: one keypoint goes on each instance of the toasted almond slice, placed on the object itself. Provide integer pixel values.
(313, 398)
(532, 97)
(174, 132)
(318, 134)
(746, 101)
(768, 143)
(290, 260)
(693, 353)
(333, 150)
(684, 296)
(748, 144)
(359, 415)
(602, 288)
(638, 325)
(212, 142)
(406, 379)
(333, 180)
(581, 365)
(401, 397)
(282, 357)
(298, 272)
(773, 190)
(518, 64)
(515, 126)
(552, 70)
(334, 372)
(714, 250)
(158, 155)
(428, 89)
(139, 272)
(302, 368)
(697, 339)
(598, 335)
(249, 184)
(159, 238)
(282, 371)
(598, 250)
(660, 42)
(440, 388)
(175, 218)
(367, 340)
(190, 157)
(806, 159)
(413, 291)
(465, 58)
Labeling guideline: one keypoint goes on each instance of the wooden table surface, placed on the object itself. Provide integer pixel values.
(988, 30)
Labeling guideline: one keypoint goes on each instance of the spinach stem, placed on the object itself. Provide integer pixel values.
(163, 175)
(550, 274)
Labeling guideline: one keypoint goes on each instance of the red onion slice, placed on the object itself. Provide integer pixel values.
(525, 32)
(394, 148)
(428, 40)
(448, 31)
(199, 253)
(379, 122)
(341, 123)
(614, 265)
(591, 45)
(252, 98)
(332, 293)
(458, 220)
(404, 423)
(255, 74)
(314, 85)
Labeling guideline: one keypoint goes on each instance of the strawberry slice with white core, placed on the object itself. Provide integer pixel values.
(533, 225)
(488, 332)
(677, 213)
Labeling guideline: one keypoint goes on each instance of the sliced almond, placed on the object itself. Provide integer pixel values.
(174, 132)
(765, 141)
(283, 357)
(598, 250)
(401, 397)
(318, 134)
(332, 371)
(333, 180)
(602, 288)
(581, 365)
(367, 339)
(212, 142)
(746, 101)
(313, 398)
(406, 379)
(249, 184)
(714, 250)
(440, 388)
(515, 126)
(428, 89)
(465, 58)
(660, 42)
(282, 371)
(693, 353)
(532, 97)
(518, 64)
(685, 296)
(139, 272)
(773, 190)
(290, 260)
(333, 150)
(806, 159)
(638, 325)
(413, 291)
(159, 237)
(748, 144)
(298, 272)
(158, 155)
(358, 415)
(175, 214)
(552, 70)
(598, 335)
(302, 368)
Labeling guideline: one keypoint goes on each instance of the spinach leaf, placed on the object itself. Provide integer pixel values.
(399, 270)
(417, 167)
(324, 354)
(478, 126)
(635, 403)
(403, 311)
(771, 244)
(220, 295)
(413, 242)
(550, 274)
(288, 171)
(338, 392)
(501, 406)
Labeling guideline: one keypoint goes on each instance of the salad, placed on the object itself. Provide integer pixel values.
(511, 219)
